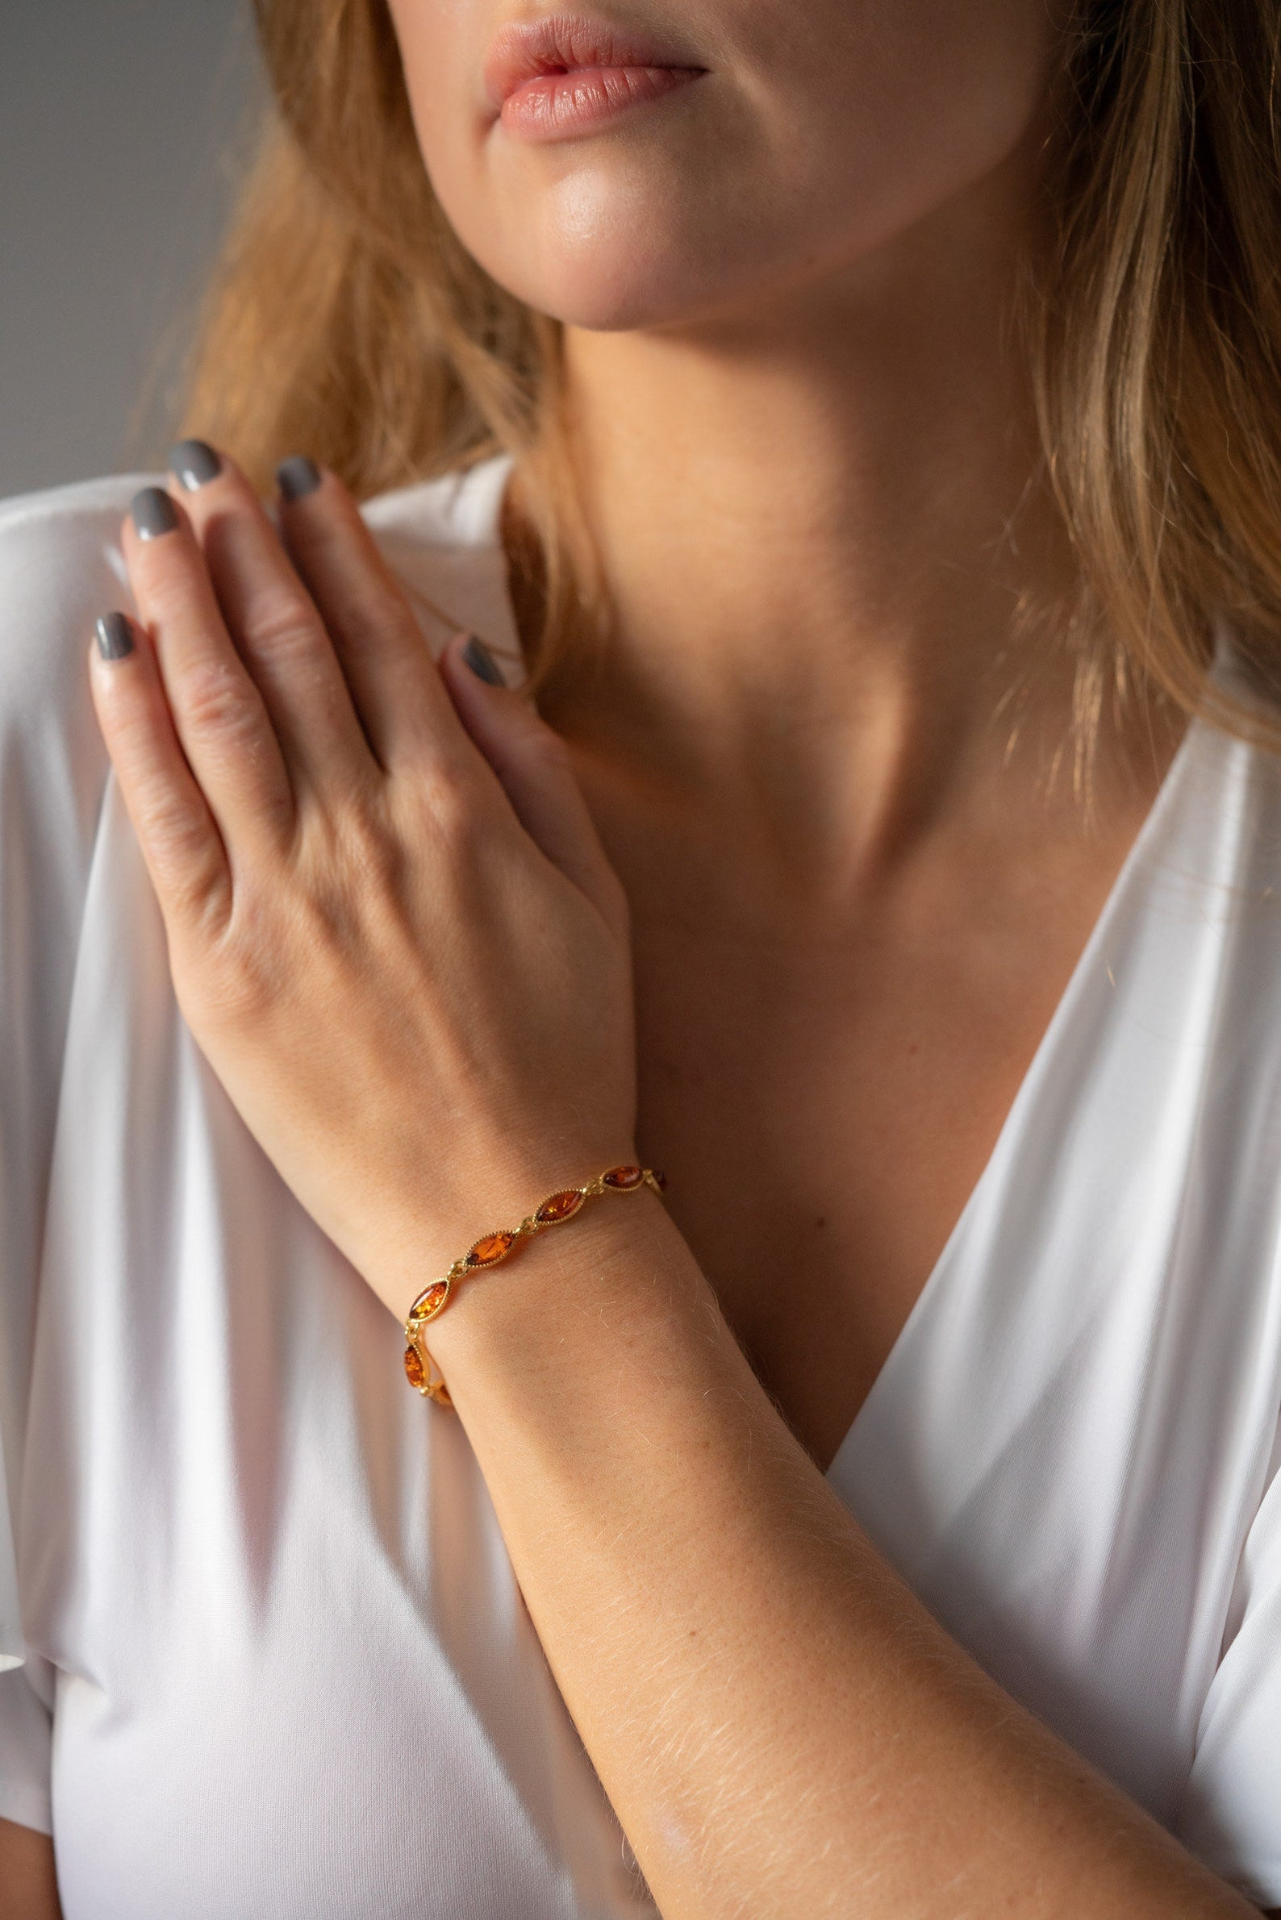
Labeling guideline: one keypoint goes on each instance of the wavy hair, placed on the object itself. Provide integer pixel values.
(346, 318)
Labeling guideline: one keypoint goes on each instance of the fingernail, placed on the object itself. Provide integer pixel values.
(153, 513)
(482, 662)
(115, 636)
(297, 477)
(194, 462)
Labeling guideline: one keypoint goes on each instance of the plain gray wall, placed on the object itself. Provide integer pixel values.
(122, 124)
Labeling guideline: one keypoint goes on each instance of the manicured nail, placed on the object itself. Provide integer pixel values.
(194, 462)
(482, 662)
(297, 477)
(115, 636)
(153, 513)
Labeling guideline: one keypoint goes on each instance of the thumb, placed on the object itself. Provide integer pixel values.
(533, 764)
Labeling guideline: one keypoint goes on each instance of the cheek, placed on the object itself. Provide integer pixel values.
(821, 134)
(928, 100)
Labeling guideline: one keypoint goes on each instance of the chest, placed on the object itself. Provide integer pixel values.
(824, 1099)
(1053, 1516)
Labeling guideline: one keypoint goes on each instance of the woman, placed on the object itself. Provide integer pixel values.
(852, 433)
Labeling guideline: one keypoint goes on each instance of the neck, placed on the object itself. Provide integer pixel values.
(816, 526)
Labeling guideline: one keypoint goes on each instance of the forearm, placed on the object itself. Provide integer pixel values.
(781, 1726)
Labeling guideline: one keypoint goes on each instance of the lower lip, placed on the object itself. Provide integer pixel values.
(566, 106)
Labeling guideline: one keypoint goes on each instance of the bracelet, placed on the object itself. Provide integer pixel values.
(420, 1369)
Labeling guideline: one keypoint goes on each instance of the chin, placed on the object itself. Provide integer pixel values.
(606, 296)
(603, 254)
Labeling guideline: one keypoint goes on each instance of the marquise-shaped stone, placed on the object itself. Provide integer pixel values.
(560, 1206)
(429, 1304)
(624, 1176)
(415, 1371)
(491, 1249)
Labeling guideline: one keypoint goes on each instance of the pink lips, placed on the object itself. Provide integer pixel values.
(564, 77)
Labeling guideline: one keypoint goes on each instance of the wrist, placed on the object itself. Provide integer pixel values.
(557, 1211)
(590, 1278)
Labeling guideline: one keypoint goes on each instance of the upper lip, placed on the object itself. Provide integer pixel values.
(567, 43)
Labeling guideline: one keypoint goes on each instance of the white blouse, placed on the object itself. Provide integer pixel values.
(265, 1650)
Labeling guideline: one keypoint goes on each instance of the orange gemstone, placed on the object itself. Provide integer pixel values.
(661, 1178)
(429, 1304)
(415, 1371)
(560, 1206)
(491, 1248)
(624, 1176)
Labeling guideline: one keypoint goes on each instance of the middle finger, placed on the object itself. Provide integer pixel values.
(274, 623)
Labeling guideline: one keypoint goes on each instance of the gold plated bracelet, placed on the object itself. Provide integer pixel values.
(421, 1370)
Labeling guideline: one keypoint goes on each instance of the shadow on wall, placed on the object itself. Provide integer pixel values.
(122, 124)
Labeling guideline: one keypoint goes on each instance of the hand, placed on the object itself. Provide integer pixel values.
(391, 925)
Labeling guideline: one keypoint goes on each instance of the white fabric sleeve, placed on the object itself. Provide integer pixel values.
(1230, 1814)
(60, 567)
(26, 1744)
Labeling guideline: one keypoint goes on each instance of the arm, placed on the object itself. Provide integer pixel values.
(28, 1884)
(780, 1724)
(55, 565)
(354, 901)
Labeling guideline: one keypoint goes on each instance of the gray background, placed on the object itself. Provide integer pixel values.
(122, 126)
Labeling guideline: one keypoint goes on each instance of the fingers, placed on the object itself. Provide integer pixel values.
(214, 707)
(177, 832)
(256, 676)
(533, 764)
(394, 681)
(275, 624)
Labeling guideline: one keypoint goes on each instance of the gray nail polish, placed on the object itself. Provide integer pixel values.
(482, 662)
(153, 513)
(115, 636)
(194, 462)
(297, 476)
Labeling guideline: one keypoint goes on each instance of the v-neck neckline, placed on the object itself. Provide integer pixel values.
(1015, 1126)
(491, 480)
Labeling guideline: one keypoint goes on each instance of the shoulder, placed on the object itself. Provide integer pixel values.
(65, 540)
(60, 567)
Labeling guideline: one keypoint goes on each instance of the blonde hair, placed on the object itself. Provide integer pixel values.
(347, 320)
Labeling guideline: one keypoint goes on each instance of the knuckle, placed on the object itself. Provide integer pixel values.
(281, 625)
(218, 698)
(369, 614)
(349, 861)
(243, 977)
(373, 852)
(177, 839)
(170, 582)
(453, 805)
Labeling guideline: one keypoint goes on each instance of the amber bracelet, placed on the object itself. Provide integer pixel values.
(420, 1368)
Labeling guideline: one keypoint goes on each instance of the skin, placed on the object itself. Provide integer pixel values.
(792, 291)
(820, 902)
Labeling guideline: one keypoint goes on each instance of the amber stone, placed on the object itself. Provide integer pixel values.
(624, 1176)
(415, 1371)
(491, 1248)
(431, 1302)
(560, 1206)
